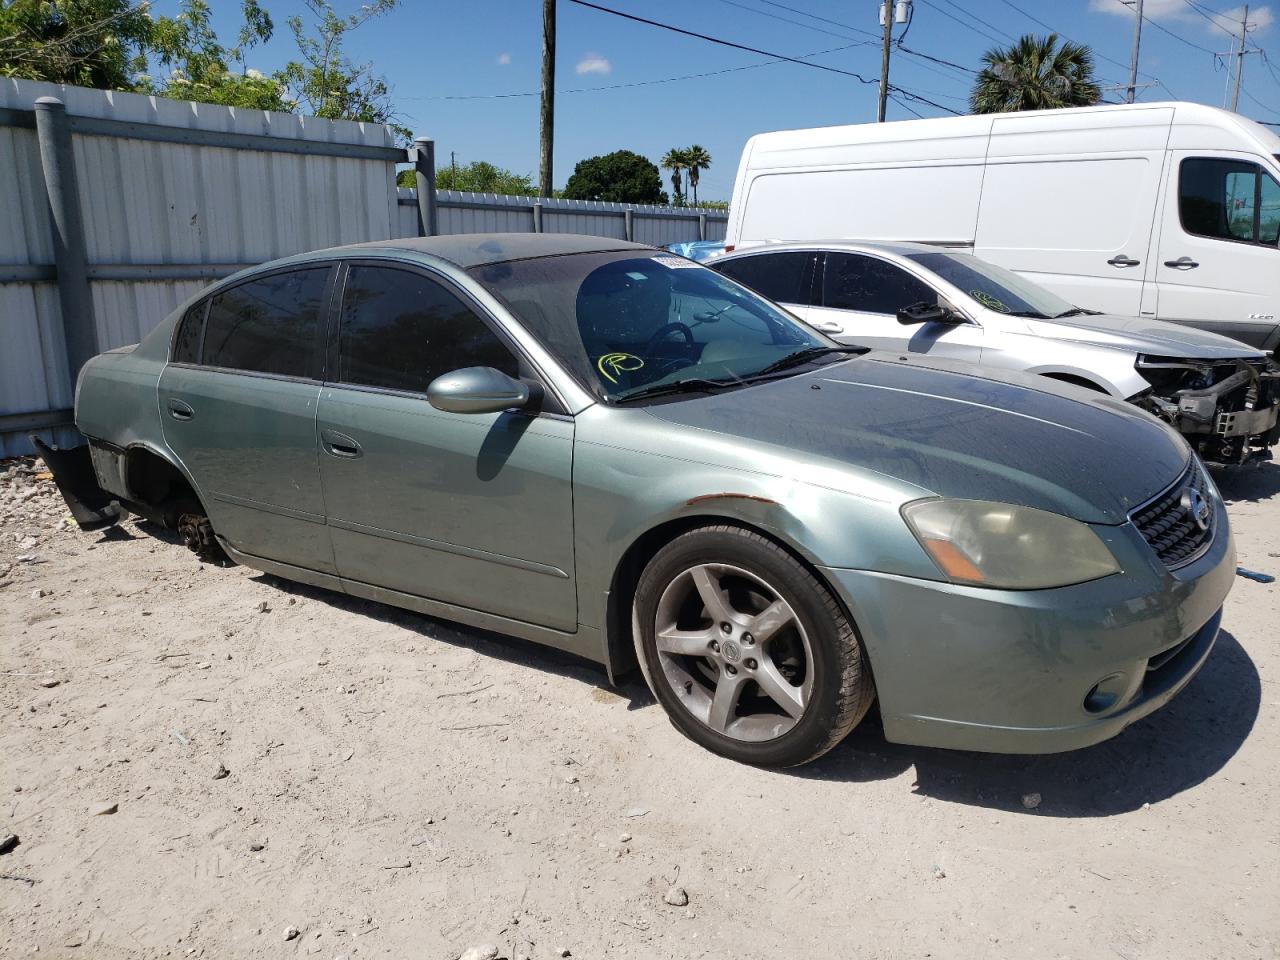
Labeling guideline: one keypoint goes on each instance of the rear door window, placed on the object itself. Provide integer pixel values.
(1228, 200)
(269, 325)
(855, 282)
(782, 277)
(400, 330)
(186, 345)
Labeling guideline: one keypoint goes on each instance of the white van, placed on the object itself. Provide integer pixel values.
(1168, 210)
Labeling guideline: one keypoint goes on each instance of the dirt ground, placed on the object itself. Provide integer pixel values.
(392, 786)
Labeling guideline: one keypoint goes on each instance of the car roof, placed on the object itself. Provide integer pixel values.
(901, 248)
(467, 250)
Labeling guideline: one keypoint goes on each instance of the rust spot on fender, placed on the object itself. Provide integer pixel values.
(729, 496)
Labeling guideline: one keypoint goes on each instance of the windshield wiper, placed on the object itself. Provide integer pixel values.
(803, 356)
(1030, 314)
(690, 385)
(1076, 312)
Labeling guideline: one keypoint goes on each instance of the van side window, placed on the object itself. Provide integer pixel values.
(778, 276)
(868, 285)
(1228, 200)
(267, 325)
(186, 345)
(400, 330)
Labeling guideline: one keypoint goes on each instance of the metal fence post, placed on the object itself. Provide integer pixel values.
(75, 298)
(424, 170)
(630, 221)
(537, 218)
(702, 226)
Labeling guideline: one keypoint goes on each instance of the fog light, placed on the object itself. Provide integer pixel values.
(1106, 693)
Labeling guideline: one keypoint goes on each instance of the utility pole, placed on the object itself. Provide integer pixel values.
(1244, 33)
(886, 13)
(548, 95)
(1133, 62)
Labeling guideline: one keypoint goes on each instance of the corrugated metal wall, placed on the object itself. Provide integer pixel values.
(176, 214)
(460, 212)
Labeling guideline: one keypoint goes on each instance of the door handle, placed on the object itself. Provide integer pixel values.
(1121, 260)
(1182, 263)
(339, 445)
(827, 326)
(179, 409)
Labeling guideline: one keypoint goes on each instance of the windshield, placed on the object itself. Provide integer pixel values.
(994, 287)
(624, 323)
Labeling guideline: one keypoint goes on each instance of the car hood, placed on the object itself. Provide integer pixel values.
(1144, 335)
(957, 432)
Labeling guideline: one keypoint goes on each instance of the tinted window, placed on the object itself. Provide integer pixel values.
(401, 330)
(267, 325)
(186, 345)
(1229, 200)
(854, 282)
(778, 276)
(994, 287)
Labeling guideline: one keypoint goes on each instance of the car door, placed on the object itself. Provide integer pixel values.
(783, 276)
(862, 295)
(238, 404)
(474, 510)
(1218, 266)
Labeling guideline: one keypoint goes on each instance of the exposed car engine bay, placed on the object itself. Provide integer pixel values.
(1226, 409)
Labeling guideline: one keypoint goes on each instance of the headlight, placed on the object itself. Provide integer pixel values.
(1005, 546)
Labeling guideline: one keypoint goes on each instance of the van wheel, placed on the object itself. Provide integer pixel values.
(749, 654)
(196, 533)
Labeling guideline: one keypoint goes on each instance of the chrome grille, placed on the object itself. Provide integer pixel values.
(1168, 523)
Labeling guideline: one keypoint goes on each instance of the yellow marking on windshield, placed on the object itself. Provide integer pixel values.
(987, 300)
(618, 363)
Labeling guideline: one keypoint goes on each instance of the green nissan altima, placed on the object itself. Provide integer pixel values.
(612, 450)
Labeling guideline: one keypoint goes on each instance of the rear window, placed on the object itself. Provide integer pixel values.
(268, 325)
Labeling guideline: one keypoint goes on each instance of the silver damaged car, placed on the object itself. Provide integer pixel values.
(617, 452)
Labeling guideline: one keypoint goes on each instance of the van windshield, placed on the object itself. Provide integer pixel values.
(995, 287)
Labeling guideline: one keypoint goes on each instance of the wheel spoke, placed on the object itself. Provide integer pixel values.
(689, 643)
(713, 597)
(724, 704)
(769, 621)
(776, 687)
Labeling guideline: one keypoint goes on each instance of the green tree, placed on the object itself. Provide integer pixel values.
(696, 159)
(1035, 74)
(325, 82)
(479, 176)
(91, 43)
(674, 160)
(620, 177)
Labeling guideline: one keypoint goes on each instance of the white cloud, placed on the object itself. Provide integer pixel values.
(593, 63)
(1214, 22)
(504, 59)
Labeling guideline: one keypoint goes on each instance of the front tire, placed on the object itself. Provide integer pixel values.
(750, 655)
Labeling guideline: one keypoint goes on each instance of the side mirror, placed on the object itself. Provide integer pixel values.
(477, 390)
(925, 312)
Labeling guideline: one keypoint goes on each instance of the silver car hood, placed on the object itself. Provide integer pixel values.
(957, 431)
(1144, 335)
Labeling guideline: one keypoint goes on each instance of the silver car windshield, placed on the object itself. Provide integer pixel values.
(995, 287)
(633, 326)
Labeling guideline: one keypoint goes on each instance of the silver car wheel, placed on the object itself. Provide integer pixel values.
(734, 652)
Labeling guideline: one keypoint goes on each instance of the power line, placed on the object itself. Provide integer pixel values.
(1175, 36)
(962, 23)
(1100, 56)
(914, 97)
(798, 23)
(636, 83)
(814, 16)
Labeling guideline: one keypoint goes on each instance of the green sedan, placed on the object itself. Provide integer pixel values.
(614, 451)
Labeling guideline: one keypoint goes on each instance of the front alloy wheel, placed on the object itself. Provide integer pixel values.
(747, 651)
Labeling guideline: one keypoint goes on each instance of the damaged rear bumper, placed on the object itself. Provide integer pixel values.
(73, 472)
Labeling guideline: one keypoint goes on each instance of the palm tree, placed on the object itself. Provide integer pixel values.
(1035, 74)
(675, 162)
(696, 159)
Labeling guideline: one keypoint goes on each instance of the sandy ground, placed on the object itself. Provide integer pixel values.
(400, 787)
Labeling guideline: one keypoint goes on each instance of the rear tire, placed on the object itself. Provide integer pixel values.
(747, 651)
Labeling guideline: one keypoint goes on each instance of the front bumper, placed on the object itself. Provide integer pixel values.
(1013, 671)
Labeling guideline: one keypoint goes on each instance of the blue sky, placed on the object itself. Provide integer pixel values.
(431, 52)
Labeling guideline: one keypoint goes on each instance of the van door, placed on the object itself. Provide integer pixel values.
(1069, 200)
(474, 510)
(863, 294)
(239, 410)
(1218, 260)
